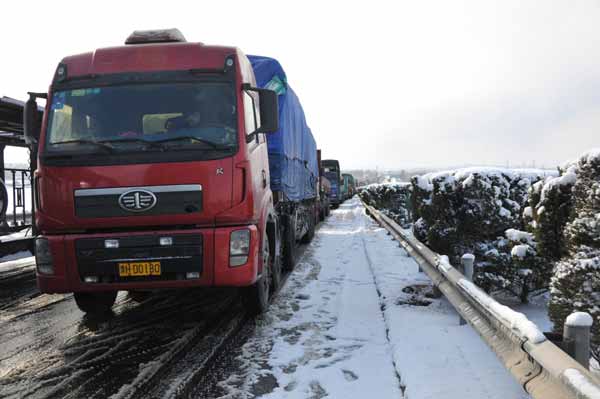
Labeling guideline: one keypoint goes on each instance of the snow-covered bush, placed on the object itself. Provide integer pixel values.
(512, 264)
(575, 285)
(422, 190)
(442, 215)
(551, 211)
(470, 210)
(393, 199)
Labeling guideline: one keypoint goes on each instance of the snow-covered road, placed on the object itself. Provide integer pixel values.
(355, 321)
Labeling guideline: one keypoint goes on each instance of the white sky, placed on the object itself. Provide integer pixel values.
(383, 83)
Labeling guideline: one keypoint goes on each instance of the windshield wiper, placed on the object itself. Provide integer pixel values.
(196, 139)
(83, 141)
(147, 143)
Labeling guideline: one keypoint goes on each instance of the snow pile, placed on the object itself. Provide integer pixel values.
(575, 213)
(581, 383)
(392, 199)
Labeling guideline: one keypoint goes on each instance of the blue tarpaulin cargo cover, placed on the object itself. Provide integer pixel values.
(292, 149)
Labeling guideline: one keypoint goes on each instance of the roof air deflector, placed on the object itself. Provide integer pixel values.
(155, 36)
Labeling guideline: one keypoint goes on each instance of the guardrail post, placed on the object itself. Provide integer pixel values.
(576, 332)
(466, 263)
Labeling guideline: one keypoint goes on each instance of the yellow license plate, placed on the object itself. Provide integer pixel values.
(130, 269)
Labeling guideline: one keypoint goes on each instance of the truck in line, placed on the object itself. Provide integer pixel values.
(331, 170)
(324, 191)
(348, 186)
(169, 164)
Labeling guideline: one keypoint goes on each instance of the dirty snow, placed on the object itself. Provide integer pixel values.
(17, 260)
(15, 256)
(357, 320)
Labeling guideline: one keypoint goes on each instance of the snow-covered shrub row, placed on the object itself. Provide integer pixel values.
(550, 203)
(575, 285)
(393, 199)
(479, 211)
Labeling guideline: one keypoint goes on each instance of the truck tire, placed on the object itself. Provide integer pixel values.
(95, 302)
(289, 244)
(311, 230)
(3, 199)
(256, 297)
(273, 237)
(276, 275)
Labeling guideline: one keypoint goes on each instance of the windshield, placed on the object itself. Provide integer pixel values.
(332, 174)
(143, 117)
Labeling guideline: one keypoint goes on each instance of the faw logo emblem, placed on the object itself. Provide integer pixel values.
(137, 200)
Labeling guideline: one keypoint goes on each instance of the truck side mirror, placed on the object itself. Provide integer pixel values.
(269, 111)
(31, 119)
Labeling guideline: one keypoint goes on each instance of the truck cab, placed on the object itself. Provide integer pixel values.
(153, 172)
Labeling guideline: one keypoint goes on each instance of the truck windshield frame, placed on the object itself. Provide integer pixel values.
(155, 118)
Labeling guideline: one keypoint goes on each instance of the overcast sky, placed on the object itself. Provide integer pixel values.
(389, 84)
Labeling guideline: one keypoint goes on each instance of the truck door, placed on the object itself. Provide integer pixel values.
(257, 153)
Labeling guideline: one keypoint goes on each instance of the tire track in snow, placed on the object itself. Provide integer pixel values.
(79, 356)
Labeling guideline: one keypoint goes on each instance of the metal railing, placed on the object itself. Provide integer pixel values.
(541, 367)
(19, 186)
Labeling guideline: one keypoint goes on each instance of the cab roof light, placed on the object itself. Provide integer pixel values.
(155, 36)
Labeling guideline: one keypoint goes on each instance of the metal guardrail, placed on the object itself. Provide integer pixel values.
(541, 367)
(19, 184)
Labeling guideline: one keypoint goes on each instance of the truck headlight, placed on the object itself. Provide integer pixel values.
(239, 247)
(43, 256)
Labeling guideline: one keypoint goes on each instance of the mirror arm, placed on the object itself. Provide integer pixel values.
(254, 135)
(33, 95)
(250, 137)
(248, 87)
(31, 118)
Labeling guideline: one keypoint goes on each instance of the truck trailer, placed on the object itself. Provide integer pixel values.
(169, 164)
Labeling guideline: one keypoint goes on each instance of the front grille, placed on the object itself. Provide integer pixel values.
(138, 201)
(185, 255)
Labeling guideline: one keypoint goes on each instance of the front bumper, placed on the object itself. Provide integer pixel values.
(205, 251)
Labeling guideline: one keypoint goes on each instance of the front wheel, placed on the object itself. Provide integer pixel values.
(256, 297)
(95, 302)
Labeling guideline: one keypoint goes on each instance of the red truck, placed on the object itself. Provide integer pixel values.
(153, 172)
